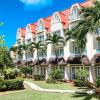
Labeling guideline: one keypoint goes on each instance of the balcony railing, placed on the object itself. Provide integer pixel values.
(74, 18)
(78, 54)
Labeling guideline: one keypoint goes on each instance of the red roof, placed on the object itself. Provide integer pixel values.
(64, 16)
(47, 22)
(33, 28)
(87, 3)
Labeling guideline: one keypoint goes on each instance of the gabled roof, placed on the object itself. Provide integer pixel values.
(47, 22)
(33, 28)
(64, 16)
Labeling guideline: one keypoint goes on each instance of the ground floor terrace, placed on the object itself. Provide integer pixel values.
(69, 68)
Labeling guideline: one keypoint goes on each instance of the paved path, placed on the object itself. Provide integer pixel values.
(37, 88)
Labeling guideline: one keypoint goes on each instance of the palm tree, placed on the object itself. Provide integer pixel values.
(55, 40)
(38, 46)
(25, 47)
(78, 35)
(17, 50)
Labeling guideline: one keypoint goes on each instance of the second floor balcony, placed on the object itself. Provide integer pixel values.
(74, 17)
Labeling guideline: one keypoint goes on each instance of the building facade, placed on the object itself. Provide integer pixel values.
(57, 23)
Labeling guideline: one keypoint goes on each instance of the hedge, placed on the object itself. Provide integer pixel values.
(14, 84)
(39, 77)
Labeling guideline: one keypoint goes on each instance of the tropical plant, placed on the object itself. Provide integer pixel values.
(56, 41)
(38, 46)
(25, 47)
(5, 59)
(17, 50)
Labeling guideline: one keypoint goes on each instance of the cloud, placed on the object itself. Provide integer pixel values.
(29, 4)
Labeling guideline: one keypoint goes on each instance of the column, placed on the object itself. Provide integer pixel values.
(48, 71)
(67, 73)
(91, 74)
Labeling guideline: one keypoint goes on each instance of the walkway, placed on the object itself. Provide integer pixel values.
(37, 88)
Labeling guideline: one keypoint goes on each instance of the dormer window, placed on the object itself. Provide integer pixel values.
(74, 15)
(28, 28)
(40, 26)
(55, 18)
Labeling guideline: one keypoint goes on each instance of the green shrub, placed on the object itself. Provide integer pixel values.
(81, 80)
(39, 77)
(10, 73)
(14, 84)
(82, 74)
(80, 83)
(50, 80)
(26, 70)
(1, 78)
(98, 82)
(56, 74)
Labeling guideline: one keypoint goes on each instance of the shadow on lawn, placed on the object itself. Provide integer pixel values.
(85, 96)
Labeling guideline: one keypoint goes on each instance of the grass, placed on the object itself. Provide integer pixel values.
(64, 86)
(29, 94)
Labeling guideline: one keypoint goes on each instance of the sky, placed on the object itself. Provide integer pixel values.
(18, 13)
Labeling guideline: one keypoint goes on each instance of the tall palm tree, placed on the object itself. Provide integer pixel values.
(38, 46)
(25, 48)
(56, 41)
(78, 34)
(17, 50)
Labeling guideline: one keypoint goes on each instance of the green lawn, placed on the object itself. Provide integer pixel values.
(64, 86)
(29, 94)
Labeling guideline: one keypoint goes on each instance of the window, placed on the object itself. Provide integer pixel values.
(56, 18)
(60, 52)
(98, 31)
(40, 26)
(98, 71)
(75, 69)
(76, 50)
(98, 45)
(28, 41)
(29, 55)
(75, 15)
(18, 41)
(57, 32)
(41, 38)
(42, 54)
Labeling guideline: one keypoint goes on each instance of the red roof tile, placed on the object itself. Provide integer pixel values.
(87, 3)
(47, 22)
(64, 15)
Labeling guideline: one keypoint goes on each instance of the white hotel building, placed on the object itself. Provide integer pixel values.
(69, 55)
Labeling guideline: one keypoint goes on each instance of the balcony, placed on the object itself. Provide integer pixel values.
(41, 57)
(78, 54)
(74, 18)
